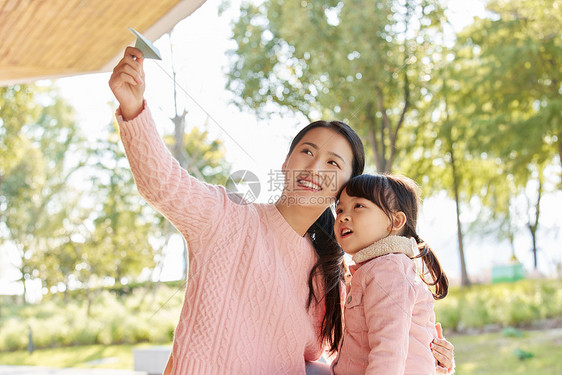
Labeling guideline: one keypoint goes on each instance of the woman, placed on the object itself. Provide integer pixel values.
(247, 308)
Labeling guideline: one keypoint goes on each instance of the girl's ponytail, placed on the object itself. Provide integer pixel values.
(438, 277)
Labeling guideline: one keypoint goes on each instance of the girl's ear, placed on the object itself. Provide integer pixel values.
(284, 165)
(398, 221)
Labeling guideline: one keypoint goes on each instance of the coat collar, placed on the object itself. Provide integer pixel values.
(387, 245)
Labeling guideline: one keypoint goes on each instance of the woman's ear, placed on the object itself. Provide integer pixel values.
(398, 221)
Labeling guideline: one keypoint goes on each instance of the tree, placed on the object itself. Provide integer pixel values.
(41, 158)
(118, 245)
(516, 206)
(200, 156)
(533, 213)
(517, 103)
(17, 108)
(362, 61)
(512, 75)
(438, 155)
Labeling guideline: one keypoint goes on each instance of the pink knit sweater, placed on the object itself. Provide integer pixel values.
(245, 304)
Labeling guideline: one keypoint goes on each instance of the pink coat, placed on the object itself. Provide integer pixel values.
(389, 318)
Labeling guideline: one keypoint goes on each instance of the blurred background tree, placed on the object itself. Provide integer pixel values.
(42, 152)
(202, 157)
(509, 69)
(363, 62)
(460, 115)
(70, 207)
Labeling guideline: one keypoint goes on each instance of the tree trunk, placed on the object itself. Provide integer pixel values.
(511, 238)
(66, 288)
(385, 125)
(534, 248)
(534, 226)
(465, 281)
(379, 163)
(178, 152)
(560, 154)
(89, 298)
(179, 124)
(24, 287)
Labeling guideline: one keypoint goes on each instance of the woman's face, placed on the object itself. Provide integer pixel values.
(317, 168)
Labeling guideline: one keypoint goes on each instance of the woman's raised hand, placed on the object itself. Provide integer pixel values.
(127, 83)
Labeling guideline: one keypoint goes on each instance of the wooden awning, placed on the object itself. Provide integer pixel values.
(54, 38)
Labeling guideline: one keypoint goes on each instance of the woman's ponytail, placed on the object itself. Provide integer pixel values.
(329, 268)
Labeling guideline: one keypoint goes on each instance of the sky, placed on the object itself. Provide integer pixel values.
(200, 45)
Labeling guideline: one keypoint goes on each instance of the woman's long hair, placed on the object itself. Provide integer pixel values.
(329, 266)
(398, 193)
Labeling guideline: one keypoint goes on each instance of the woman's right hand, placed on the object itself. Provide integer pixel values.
(127, 83)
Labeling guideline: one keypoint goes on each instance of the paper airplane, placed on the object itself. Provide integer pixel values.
(147, 49)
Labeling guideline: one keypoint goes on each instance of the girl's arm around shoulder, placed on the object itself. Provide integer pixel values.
(190, 205)
(388, 300)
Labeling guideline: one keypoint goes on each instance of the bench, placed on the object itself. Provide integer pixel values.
(151, 360)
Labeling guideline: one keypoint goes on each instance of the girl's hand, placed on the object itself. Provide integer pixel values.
(127, 83)
(443, 351)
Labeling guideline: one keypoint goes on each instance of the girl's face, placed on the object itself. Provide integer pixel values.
(317, 168)
(359, 223)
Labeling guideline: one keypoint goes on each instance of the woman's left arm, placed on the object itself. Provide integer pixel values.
(444, 352)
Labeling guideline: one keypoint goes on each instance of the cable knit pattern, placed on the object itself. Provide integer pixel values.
(245, 304)
(389, 319)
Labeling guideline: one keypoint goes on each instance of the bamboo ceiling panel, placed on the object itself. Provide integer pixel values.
(55, 38)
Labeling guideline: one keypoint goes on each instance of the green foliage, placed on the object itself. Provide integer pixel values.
(205, 155)
(491, 122)
(483, 354)
(115, 356)
(118, 246)
(512, 332)
(150, 315)
(493, 353)
(507, 304)
(480, 119)
(17, 108)
(69, 231)
(365, 62)
(142, 316)
(43, 150)
(516, 103)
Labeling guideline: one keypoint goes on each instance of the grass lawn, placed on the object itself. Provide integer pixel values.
(93, 356)
(491, 353)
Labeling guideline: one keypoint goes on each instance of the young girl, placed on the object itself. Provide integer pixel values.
(389, 319)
